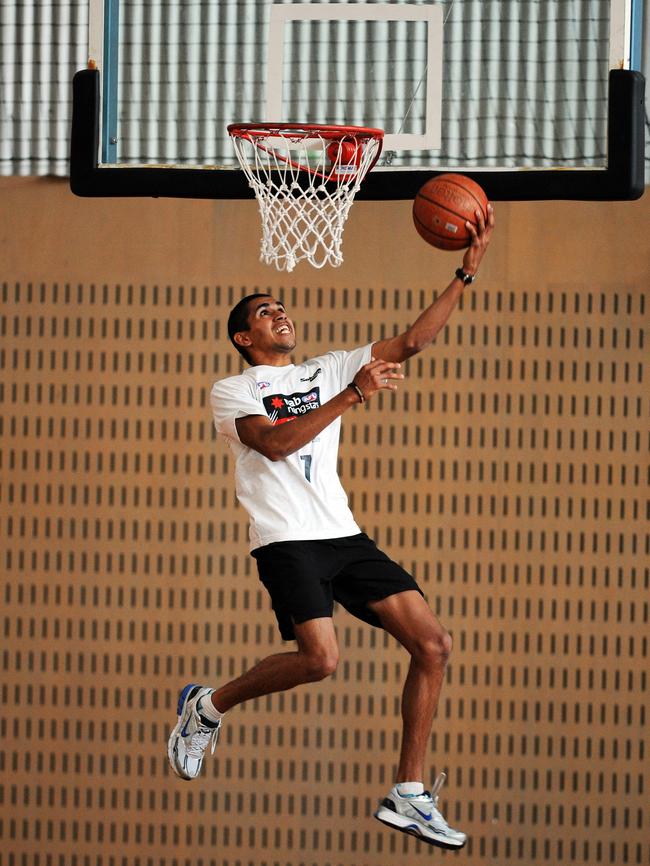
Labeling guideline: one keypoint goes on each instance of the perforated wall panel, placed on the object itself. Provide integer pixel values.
(510, 474)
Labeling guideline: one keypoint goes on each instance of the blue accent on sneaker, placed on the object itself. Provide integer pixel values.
(183, 695)
(426, 817)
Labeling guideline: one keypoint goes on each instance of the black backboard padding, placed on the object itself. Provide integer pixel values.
(623, 180)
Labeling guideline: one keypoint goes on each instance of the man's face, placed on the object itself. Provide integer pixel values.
(270, 329)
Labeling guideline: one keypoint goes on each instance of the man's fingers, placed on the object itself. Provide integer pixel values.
(386, 380)
(377, 363)
(378, 375)
(384, 375)
(484, 228)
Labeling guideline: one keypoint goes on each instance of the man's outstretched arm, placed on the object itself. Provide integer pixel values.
(424, 330)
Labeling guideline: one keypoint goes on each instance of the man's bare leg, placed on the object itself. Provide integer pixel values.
(412, 809)
(407, 616)
(315, 659)
(197, 727)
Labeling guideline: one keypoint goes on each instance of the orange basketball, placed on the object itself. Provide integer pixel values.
(443, 205)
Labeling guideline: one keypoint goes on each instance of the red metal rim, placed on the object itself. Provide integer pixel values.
(327, 131)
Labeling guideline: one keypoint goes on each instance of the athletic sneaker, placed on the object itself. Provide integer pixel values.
(192, 735)
(418, 815)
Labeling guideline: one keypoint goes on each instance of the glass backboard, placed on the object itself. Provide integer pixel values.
(492, 86)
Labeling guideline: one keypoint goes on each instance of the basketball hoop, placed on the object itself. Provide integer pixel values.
(305, 177)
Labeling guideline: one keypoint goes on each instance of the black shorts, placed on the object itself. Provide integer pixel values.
(305, 578)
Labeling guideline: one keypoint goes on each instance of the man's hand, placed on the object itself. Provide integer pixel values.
(376, 376)
(480, 240)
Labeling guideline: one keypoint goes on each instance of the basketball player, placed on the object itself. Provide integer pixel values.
(282, 423)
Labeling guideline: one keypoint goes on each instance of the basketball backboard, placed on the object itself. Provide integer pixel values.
(516, 93)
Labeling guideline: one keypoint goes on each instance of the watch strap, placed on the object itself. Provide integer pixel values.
(467, 279)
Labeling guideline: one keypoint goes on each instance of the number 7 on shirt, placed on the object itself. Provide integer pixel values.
(307, 459)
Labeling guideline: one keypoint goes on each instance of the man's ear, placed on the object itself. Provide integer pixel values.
(242, 338)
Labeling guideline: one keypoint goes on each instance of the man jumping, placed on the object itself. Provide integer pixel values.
(282, 422)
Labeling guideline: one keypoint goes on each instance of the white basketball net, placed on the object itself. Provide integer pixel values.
(305, 185)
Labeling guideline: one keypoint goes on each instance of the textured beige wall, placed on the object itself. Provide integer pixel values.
(177, 242)
(509, 473)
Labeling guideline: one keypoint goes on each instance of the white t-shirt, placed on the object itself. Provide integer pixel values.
(300, 497)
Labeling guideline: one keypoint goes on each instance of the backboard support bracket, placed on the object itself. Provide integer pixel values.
(622, 180)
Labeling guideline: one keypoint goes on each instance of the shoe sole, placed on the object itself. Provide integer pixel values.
(407, 825)
(182, 705)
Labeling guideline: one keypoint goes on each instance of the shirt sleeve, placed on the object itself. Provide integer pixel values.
(347, 364)
(231, 399)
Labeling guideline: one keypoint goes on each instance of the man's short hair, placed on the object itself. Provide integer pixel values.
(238, 321)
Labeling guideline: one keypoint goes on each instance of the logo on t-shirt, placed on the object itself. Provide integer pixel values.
(311, 378)
(287, 407)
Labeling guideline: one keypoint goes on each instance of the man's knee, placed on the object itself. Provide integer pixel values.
(320, 665)
(433, 649)
(318, 648)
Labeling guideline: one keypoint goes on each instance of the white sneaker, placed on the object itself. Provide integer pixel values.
(192, 734)
(418, 815)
